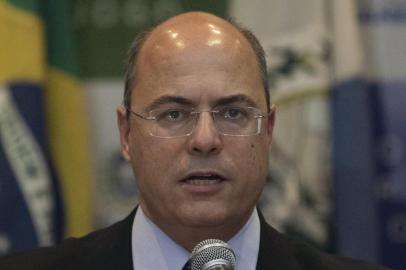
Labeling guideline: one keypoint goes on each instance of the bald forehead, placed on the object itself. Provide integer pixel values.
(198, 25)
(194, 31)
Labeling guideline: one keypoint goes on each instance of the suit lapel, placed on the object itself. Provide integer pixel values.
(111, 250)
(275, 251)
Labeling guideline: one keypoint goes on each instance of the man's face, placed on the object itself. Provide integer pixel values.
(205, 179)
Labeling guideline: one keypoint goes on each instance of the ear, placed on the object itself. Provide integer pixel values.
(271, 122)
(124, 129)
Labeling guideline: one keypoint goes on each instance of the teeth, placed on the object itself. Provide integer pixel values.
(203, 181)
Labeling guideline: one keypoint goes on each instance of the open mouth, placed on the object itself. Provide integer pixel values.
(209, 179)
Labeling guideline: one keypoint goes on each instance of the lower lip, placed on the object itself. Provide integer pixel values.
(203, 188)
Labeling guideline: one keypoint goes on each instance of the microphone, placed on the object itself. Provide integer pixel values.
(212, 254)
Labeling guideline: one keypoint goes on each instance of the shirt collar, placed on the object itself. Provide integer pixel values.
(153, 249)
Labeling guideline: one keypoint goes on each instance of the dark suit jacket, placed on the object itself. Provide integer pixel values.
(110, 249)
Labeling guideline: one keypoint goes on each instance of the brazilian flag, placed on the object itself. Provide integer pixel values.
(44, 158)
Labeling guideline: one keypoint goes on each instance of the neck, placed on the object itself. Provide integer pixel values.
(189, 236)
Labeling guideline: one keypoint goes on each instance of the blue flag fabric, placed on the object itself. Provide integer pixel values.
(30, 214)
(390, 170)
(369, 131)
(30, 205)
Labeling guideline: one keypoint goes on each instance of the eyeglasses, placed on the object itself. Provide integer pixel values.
(178, 122)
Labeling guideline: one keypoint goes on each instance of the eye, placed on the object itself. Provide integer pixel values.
(234, 113)
(172, 115)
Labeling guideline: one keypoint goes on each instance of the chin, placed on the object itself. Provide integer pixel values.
(207, 217)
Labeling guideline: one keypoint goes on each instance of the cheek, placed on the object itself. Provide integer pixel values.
(252, 145)
(153, 155)
(258, 151)
(257, 159)
(252, 156)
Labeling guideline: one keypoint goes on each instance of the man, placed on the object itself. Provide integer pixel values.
(196, 126)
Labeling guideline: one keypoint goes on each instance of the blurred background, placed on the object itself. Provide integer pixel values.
(337, 175)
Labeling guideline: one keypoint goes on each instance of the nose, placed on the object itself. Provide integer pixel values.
(205, 139)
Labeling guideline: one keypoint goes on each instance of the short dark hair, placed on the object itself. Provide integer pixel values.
(140, 39)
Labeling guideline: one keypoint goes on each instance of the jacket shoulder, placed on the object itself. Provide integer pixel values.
(312, 258)
(97, 250)
(278, 251)
(62, 256)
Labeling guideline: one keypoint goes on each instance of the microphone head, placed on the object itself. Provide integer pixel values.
(212, 254)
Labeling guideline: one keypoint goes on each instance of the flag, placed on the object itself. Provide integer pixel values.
(67, 118)
(370, 131)
(29, 200)
(296, 198)
(41, 129)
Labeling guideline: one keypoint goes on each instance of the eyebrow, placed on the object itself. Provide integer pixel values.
(163, 100)
(236, 98)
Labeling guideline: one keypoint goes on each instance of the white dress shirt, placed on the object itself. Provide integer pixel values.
(153, 249)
